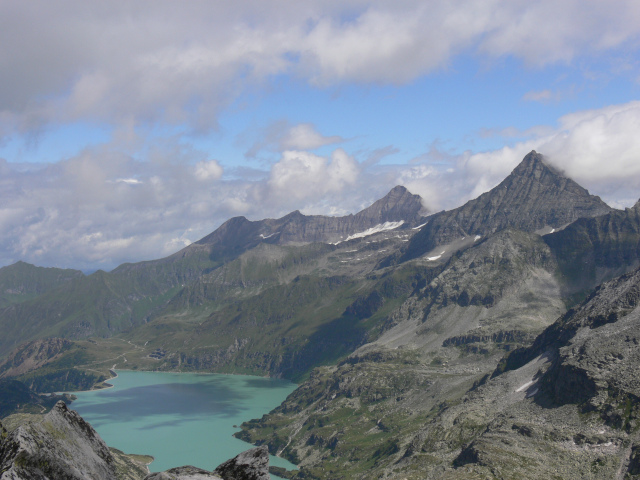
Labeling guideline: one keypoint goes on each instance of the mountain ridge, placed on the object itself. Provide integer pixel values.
(294, 228)
(106, 303)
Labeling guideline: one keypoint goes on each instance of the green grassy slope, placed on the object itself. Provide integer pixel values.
(21, 281)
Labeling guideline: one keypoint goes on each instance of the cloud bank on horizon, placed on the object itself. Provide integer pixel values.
(129, 130)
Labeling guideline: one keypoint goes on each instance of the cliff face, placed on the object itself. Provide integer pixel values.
(592, 250)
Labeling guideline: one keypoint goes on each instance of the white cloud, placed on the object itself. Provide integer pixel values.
(600, 148)
(104, 206)
(280, 135)
(302, 175)
(208, 170)
(163, 61)
(305, 137)
(130, 181)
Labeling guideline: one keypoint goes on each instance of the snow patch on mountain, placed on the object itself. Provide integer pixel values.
(382, 227)
(377, 229)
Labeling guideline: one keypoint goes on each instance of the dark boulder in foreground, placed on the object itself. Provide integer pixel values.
(183, 473)
(250, 465)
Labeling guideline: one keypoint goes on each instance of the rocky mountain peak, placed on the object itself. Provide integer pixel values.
(396, 193)
(398, 204)
(532, 164)
(533, 197)
(542, 179)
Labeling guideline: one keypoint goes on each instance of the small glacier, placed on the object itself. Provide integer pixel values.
(373, 230)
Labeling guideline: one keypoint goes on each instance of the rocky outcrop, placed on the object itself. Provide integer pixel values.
(608, 303)
(250, 465)
(510, 263)
(534, 196)
(574, 392)
(33, 355)
(509, 336)
(61, 446)
(183, 473)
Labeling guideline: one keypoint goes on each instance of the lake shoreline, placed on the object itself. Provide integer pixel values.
(168, 401)
(114, 372)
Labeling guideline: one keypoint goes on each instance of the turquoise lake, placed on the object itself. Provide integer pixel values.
(180, 418)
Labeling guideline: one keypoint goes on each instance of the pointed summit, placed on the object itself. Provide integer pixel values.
(534, 196)
(532, 164)
(535, 172)
(398, 204)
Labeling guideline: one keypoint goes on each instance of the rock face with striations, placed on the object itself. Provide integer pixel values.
(592, 250)
(534, 196)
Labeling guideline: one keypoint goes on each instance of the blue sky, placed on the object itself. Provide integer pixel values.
(129, 130)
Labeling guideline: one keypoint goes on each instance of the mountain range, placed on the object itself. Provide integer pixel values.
(480, 342)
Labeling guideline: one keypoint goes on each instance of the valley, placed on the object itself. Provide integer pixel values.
(470, 343)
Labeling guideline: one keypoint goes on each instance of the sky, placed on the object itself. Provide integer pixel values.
(130, 129)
